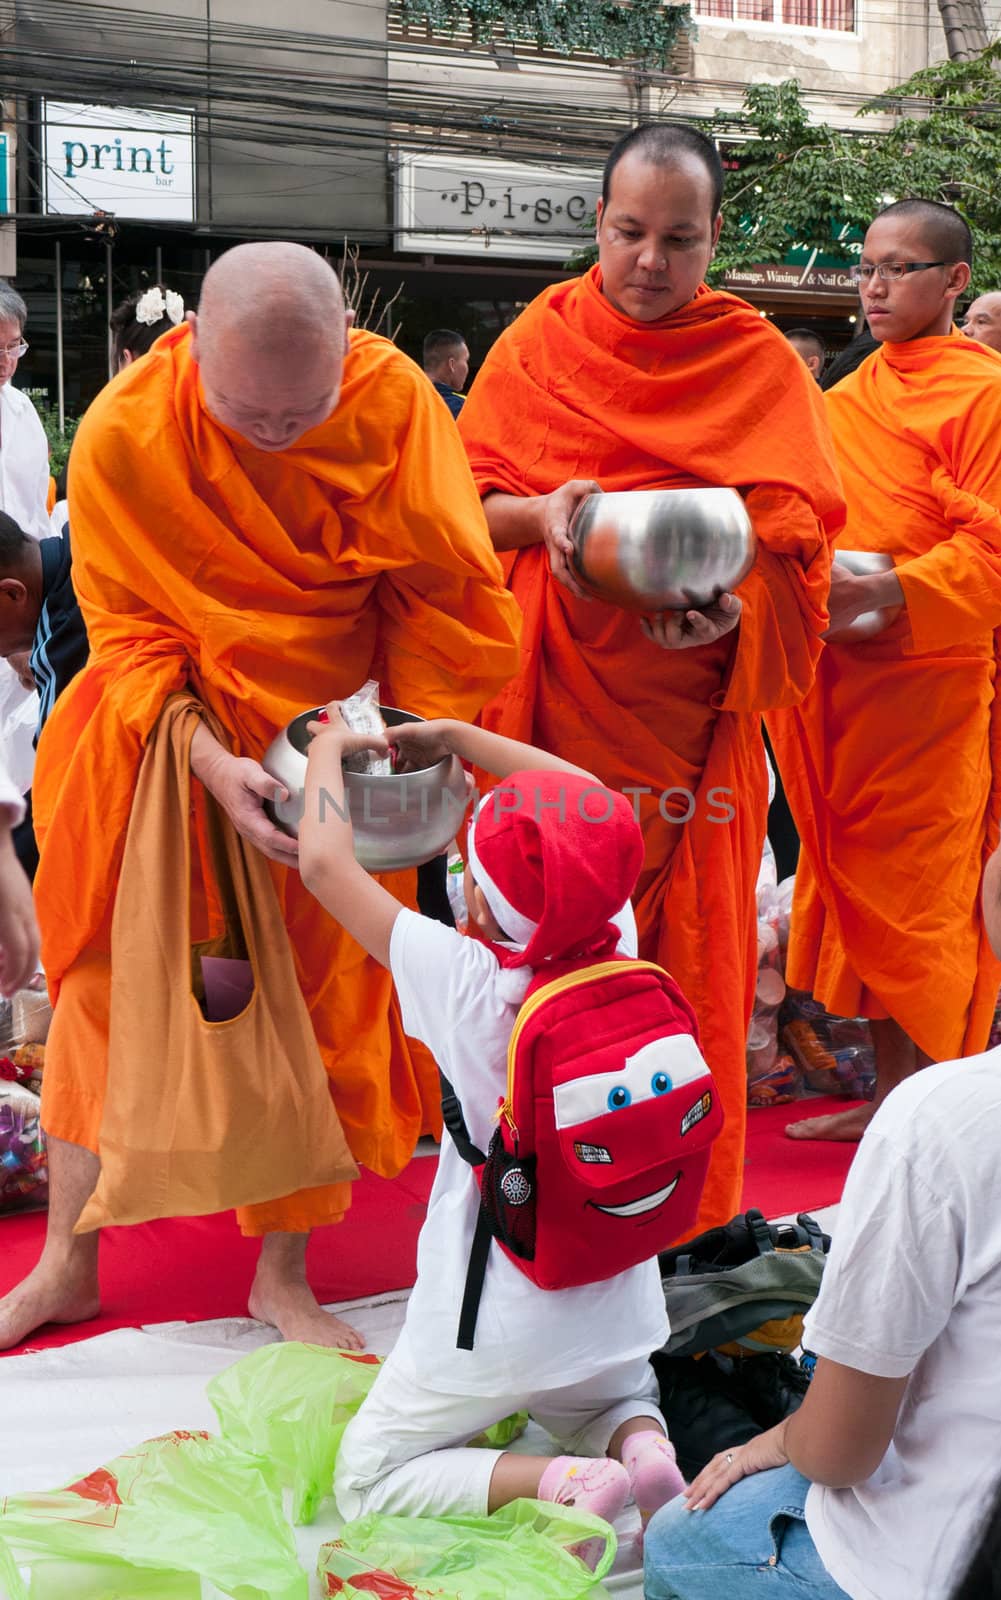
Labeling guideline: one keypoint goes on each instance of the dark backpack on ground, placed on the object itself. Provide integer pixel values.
(736, 1297)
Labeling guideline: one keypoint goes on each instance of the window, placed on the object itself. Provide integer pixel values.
(834, 15)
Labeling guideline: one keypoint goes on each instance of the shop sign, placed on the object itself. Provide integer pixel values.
(454, 205)
(800, 280)
(128, 162)
(6, 194)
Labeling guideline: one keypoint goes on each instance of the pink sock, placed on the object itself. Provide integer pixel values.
(590, 1484)
(654, 1474)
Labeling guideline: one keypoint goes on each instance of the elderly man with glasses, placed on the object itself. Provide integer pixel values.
(24, 450)
(892, 764)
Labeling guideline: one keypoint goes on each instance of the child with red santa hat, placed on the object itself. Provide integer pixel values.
(543, 884)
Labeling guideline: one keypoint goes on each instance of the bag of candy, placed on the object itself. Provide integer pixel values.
(24, 1175)
(835, 1053)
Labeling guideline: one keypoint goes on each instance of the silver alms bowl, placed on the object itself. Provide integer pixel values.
(662, 549)
(398, 819)
(870, 623)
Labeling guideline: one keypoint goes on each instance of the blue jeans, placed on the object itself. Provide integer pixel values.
(753, 1542)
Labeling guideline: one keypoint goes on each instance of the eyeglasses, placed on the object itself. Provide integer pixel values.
(893, 271)
(15, 350)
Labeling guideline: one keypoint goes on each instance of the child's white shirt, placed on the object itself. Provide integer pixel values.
(457, 998)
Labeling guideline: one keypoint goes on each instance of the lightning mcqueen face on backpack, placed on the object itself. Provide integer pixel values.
(603, 1140)
(616, 1120)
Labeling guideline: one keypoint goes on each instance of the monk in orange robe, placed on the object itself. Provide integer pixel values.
(636, 376)
(892, 764)
(267, 510)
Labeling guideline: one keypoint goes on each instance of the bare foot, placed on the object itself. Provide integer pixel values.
(292, 1308)
(847, 1126)
(53, 1292)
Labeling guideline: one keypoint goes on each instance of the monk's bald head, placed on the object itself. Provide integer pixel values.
(983, 320)
(270, 337)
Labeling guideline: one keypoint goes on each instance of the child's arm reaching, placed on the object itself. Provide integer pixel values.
(420, 744)
(327, 862)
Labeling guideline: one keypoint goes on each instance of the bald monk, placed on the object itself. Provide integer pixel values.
(636, 376)
(253, 519)
(983, 320)
(891, 764)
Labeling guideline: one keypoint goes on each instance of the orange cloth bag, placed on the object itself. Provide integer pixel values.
(202, 1116)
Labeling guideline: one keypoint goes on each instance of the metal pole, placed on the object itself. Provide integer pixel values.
(60, 376)
(110, 303)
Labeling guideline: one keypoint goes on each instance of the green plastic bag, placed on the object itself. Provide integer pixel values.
(502, 1433)
(291, 1403)
(179, 1509)
(519, 1553)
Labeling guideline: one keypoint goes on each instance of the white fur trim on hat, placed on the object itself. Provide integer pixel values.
(517, 927)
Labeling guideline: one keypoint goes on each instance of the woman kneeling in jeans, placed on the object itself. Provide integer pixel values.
(877, 1487)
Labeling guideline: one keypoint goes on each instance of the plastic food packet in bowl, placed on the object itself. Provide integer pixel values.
(362, 715)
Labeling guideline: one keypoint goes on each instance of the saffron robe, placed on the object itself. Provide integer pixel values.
(266, 583)
(710, 395)
(892, 763)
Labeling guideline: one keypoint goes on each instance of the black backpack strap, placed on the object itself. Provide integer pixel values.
(455, 1125)
(760, 1232)
(475, 1274)
(819, 1240)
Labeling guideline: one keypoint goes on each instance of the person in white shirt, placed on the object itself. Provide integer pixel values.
(576, 1358)
(24, 493)
(24, 449)
(876, 1487)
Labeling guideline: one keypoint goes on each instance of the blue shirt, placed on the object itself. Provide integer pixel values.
(60, 647)
(452, 398)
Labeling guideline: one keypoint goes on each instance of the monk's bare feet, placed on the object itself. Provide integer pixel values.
(295, 1312)
(281, 1297)
(846, 1126)
(56, 1291)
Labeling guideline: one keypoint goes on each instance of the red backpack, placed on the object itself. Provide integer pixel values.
(602, 1144)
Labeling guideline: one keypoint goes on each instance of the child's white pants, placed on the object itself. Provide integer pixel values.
(399, 1455)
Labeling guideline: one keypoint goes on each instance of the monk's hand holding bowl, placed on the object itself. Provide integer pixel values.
(681, 630)
(853, 594)
(556, 512)
(240, 786)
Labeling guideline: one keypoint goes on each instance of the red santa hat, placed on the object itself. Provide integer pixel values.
(556, 856)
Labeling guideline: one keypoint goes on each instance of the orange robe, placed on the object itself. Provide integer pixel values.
(267, 583)
(892, 763)
(714, 396)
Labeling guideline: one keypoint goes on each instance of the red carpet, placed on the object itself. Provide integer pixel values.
(195, 1269)
(198, 1269)
(783, 1176)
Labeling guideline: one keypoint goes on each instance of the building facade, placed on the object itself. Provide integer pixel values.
(143, 142)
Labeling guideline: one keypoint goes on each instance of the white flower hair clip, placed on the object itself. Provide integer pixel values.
(153, 306)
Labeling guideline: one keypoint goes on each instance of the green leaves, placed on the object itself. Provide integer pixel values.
(792, 182)
(645, 30)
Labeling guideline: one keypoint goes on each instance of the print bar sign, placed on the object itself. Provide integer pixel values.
(455, 205)
(128, 162)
